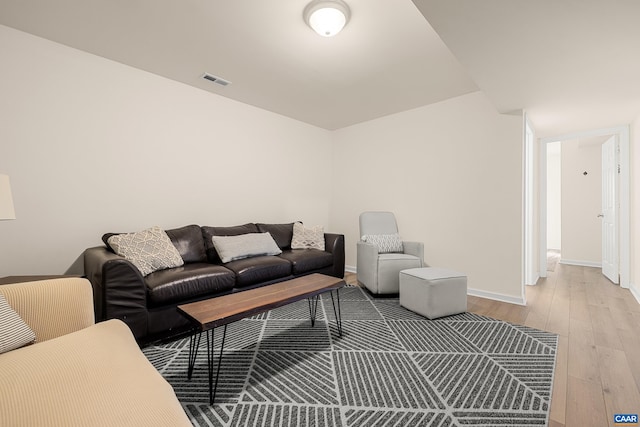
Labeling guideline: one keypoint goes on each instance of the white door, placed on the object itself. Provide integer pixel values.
(610, 210)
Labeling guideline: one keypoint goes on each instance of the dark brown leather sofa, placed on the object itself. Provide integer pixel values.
(148, 304)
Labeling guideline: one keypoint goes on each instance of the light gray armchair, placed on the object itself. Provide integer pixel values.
(380, 272)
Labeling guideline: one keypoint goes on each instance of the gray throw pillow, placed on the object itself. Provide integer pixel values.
(231, 248)
(14, 332)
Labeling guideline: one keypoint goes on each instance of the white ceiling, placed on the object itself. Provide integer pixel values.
(387, 59)
(572, 64)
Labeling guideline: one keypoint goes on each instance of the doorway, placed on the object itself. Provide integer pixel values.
(574, 202)
(621, 188)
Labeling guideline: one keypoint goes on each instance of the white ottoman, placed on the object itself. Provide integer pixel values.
(433, 292)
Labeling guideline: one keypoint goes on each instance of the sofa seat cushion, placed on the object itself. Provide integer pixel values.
(93, 377)
(306, 260)
(250, 271)
(188, 281)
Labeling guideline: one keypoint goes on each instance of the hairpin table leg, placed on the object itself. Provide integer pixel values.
(337, 313)
(213, 388)
(313, 308)
(194, 343)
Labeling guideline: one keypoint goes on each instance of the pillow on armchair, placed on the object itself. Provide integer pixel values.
(386, 243)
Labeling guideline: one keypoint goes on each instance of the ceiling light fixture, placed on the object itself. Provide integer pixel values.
(327, 17)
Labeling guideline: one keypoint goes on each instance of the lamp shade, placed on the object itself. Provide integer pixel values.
(327, 17)
(6, 200)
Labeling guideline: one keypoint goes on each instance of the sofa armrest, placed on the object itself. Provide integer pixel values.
(119, 290)
(334, 244)
(415, 249)
(54, 307)
(367, 264)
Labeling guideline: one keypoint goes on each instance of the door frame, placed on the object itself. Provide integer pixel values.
(529, 272)
(623, 186)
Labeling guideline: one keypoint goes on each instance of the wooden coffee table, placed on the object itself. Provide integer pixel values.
(209, 314)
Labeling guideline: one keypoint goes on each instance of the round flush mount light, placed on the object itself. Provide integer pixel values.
(327, 17)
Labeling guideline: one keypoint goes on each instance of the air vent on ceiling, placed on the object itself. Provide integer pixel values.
(216, 79)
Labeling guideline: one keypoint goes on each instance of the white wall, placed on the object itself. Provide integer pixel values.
(554, 193)
(93, 146)
(635, 209)
(452, 174)
(581, 203)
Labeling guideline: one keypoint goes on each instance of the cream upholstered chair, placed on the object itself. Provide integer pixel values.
(379, 265)
(78, 373)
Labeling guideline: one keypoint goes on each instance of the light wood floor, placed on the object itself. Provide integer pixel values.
(598, 361)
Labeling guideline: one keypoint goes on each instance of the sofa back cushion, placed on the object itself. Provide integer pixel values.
(189, 243)
(209, 232)
(281, 233)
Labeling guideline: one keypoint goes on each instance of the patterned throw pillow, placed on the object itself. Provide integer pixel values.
(307, 238)
(386, 243)
(14, 333)
(149, 250)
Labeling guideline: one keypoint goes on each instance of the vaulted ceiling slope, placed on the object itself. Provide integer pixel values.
(574, 65)
(571, 64)
(387, 59)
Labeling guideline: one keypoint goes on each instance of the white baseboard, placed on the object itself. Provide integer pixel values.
(581, 263)
(635, 291)
(535, 280)
(496, 296)
(350, 268)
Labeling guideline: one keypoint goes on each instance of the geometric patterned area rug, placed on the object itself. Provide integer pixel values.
(391, 367)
